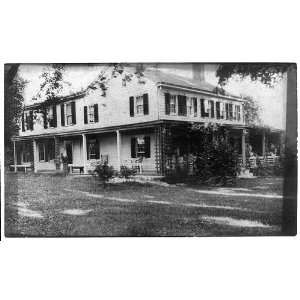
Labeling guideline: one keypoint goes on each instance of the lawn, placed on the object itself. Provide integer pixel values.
(53, 205)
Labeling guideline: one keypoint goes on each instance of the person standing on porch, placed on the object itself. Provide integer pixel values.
(65, 160)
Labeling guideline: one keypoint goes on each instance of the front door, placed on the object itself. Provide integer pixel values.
(69, 150)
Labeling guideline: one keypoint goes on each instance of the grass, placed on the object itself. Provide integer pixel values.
(53, 205)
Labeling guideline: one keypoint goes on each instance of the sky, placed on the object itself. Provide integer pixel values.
(271, 100)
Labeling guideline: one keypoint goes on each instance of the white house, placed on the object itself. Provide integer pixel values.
(129, 123)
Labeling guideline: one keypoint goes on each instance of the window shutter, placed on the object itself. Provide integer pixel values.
(87, 149)
(62, 114)
(146, 104)
(227, 111)
(45, 118)
(147, 146)
(202, 108)
(73, 109)
(167, 103)
(133, 147)
(23, 123)
(218, 115)
(97, 149)
(96, 115)
(46, 146)
(195, 106)
(182, 110)
(131, 106)
(212, 109)
(85, 115)
(31, 120)
(54, 123)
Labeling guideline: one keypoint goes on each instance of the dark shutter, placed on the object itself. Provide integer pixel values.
(62, 114)
(23, 122)
(202, 108)
(212, 109)
(96, 115)
(195, 106)
(46, 146)
(85, 115)
(45, 118)
(54, 123)
(227, 111)
(218, 110)
(182, 111)
(167, 103)
(133, 147)
(131, 106)
(97, 149)
(146, 104)
(73, 109)
(147, 146)
(31, 120)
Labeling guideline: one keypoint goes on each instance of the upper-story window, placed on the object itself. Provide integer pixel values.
(139, 105)
(238, 112)
(211, 108)
(27, 120)
(50, 119)
(204, 108)
(68, 113)
(91, 114)
(195, 106)
(173, 104)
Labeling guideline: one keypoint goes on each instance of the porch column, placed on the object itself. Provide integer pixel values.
(84, 153)
(118, 149)
(263, 144)
(35, 156)
(57, 153)
(15, 157)
(244, 147)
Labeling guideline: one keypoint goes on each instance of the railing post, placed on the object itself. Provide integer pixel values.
(84, 153)
(118, 150)
(15, 157)
(34, 156)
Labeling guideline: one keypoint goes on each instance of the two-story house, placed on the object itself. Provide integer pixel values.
(131, 122)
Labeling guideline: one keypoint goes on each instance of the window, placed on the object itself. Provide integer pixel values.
(41, 152)
(203, 103)
(238, 112)
(139, 105)
(91, 111)
(69, 114)
(51, 117)
(140, 147)
(27, 121)
(173, 104)
(189, 107)
(50, 150)
(26, 153)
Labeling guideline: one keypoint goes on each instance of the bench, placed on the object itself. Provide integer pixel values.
(76, 167)
(25, 167)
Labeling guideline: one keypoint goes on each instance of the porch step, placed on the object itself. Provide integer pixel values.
(148, 177)
(245, 173)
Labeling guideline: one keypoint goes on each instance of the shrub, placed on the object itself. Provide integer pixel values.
(104, 172)
(127, 172)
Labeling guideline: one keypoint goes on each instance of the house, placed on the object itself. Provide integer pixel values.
(129, 125)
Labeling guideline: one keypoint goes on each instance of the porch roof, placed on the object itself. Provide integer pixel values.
(135, 126)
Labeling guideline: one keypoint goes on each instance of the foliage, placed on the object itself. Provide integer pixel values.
(218, 159)
(252, 111)
(127, 172)
(104, 172)
(267, 73)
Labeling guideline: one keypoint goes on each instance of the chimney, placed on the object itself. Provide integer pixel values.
(198, 71)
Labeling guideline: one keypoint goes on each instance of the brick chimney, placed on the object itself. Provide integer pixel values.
(198, 71)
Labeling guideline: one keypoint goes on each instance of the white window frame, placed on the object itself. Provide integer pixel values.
(173, 104)
(50, 116)
(139, 105)
(68, 115)
(91, 113)
(140, 142)
(189, 106)
(90, 143)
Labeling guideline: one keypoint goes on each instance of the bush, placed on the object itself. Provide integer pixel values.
(127, 172)
(104, 172)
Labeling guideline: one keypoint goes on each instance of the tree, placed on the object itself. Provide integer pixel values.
(13, 105)
(252, 111)
(269, 73)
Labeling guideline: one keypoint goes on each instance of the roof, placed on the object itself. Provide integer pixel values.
(172, 79)
(158, 77)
